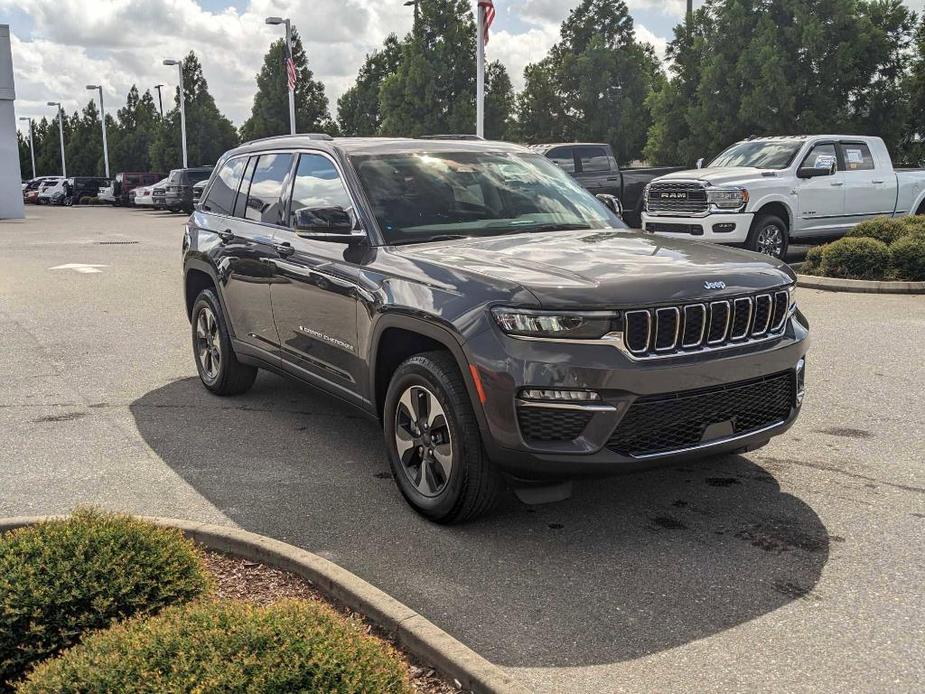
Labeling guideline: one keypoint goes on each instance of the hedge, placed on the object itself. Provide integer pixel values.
(64, 578)
(889, 229)
(289, 646)
(856, 258)
(909, 258)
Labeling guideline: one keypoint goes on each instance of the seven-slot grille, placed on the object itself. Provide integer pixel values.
(664, 423)
(668, 330)
(670, 198)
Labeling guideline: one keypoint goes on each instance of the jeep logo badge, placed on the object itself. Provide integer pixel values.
(714, 285)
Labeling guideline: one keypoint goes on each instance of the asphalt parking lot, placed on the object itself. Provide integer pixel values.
(795, 568)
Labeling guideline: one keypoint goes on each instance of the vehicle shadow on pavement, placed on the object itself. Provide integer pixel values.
(629, 566)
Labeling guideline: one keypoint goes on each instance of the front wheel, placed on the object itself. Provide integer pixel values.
(769, 236)
(218, 366)
(435, 448)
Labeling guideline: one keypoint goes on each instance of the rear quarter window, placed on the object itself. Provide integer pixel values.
(225, 187)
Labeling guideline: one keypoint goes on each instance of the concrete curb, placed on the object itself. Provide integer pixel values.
(834, 284)
(416, 634)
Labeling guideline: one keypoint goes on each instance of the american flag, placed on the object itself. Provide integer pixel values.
(291, 73)
(488, 7)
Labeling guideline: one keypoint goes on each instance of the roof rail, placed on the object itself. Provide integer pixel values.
(310, 136)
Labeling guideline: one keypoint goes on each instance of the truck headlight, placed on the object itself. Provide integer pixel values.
(728, 198)
(645, 197)
(560, 325)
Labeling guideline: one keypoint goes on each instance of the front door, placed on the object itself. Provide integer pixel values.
(595, 171)
(316, 288)
(822, 199)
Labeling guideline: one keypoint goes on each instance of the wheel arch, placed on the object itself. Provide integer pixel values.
(397, 337)
(779, 208)
(199, 275)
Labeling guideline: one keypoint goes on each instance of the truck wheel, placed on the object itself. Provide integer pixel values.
(434, 444)
(219, 368)
(769, 235)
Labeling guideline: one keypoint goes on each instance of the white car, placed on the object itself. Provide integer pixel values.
(144, 195)
(107, 193)
(764, 192)
(51, 191)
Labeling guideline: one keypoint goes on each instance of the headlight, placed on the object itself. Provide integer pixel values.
(728, 198)
(645, 196)
(571, 325)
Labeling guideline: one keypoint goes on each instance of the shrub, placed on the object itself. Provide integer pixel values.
(289, 646)
(885, 229)
(813, 260)
(63, 578)
(855, 258)
(909, 258)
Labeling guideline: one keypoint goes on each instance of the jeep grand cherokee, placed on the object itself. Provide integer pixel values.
(499, 320)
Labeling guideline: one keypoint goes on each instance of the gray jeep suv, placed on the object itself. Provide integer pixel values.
(499, 320)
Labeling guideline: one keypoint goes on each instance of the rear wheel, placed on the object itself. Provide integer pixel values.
(769, 236)
(218, 366)
(435, 448)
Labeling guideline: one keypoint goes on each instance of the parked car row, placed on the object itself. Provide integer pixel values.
(57, 190)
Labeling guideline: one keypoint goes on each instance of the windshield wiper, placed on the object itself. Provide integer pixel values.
(428, 239)
(553, 227)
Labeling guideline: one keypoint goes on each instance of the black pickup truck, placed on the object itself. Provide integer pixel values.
(593, 165)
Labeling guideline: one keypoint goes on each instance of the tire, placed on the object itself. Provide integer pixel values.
(769, 235)
(472, 484)
(220, 372)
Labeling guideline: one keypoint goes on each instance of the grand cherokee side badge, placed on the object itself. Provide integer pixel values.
(714, 285)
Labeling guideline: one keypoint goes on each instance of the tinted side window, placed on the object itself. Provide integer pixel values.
(593, 159)
(564, 157)
(265, 199)
(225, 187)
(820, 157)
(317, 185)
(857, 157)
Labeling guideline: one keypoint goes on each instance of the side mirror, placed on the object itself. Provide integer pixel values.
(699, 163)
(323, 220)
(612, 202)
(812, 172)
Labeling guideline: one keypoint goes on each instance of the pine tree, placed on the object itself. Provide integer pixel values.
(84, 147)
(131, 137)
(270, 112)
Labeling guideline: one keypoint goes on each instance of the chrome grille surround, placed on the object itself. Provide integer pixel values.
(715, 325)
(695, 202)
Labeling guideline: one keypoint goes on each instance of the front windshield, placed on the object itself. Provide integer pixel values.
(423, 195)
(760, 155)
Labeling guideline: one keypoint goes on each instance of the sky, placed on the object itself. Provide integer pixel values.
(60, 46)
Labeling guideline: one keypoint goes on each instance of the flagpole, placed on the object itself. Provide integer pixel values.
(291, 90)
(480, 73)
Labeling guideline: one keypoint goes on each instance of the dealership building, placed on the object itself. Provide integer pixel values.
(11, 205)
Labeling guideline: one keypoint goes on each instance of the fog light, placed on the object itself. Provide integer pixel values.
(801, 381)
(724, 228)
(559, 395)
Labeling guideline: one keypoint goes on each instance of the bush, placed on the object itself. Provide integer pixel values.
(63, 578)
(885, 229)
(909, 258)
(855, 258)
(227, 646)
(813, 260)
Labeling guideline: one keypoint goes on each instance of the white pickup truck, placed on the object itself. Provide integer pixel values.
(764, 192)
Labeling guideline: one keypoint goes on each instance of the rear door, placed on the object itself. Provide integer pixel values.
(316, 288)
(240, 216)
(821, 199)
(869, 191)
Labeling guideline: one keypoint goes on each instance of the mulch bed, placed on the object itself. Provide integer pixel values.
(240, 579)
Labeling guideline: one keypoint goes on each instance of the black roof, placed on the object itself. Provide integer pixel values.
(375, 145)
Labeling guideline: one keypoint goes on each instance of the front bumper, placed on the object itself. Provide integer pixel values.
(507, 365)
(715, 228)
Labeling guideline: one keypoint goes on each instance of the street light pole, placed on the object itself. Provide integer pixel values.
(160, 101)
(291, 85)
(31, 144)
(179, 64)
(61, 133)
(103, 120)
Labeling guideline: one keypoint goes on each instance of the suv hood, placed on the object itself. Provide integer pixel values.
(722, 175)
(607, 268)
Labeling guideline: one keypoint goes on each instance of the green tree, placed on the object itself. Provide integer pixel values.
(131, 137)
(358, 110)
(270, 112)
(912, 148)
(499, 102)
(25, 161)
(594, 83)
(209, 134)
(433, 88)
(84, 147)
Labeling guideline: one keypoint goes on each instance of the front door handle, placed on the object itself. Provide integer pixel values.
(838, 183)
(876, 183)
(226, 236)
(284, 249)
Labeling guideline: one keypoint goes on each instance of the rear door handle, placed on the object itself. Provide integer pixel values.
(839, 183)
(877, 182)
(284, 249)
(226, 236)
